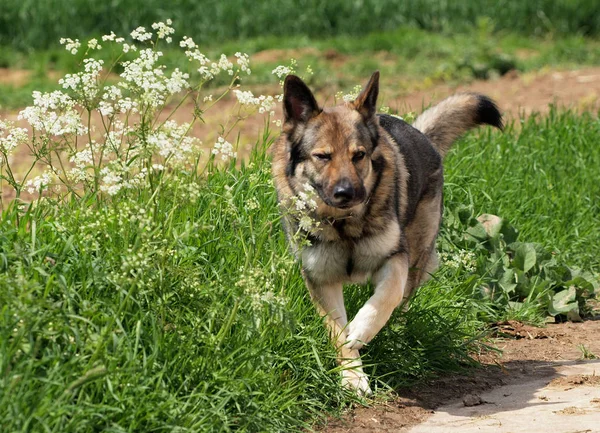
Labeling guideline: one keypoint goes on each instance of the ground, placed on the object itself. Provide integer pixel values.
(536, 365)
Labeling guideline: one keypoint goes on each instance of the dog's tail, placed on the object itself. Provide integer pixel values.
(454, 116)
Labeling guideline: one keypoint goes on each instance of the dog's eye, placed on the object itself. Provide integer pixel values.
(358, 156)
(322, 156)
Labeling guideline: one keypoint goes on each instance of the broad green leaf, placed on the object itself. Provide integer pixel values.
(525, 256)
(563, 302)
(509, 233)
(478, 231)
(508, 282)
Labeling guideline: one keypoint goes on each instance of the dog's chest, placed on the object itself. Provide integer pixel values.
(350, 260)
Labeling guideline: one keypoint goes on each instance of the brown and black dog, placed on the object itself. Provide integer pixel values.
(378, 201)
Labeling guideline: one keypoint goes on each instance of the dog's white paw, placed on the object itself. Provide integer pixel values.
(359, 334)
(357, 381)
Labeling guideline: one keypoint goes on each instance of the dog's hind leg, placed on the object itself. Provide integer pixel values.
(390, 283)
(329, 301)
(420, 236)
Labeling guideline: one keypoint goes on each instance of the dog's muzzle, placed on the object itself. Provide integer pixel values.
(345, 195)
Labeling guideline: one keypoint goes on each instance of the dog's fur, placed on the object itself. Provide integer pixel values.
(379, 184)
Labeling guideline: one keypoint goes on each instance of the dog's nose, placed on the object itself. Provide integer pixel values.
(343, 192)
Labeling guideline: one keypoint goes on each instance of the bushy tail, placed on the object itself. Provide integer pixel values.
(454, 116)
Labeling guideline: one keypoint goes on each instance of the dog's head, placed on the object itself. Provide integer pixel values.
(331, 148)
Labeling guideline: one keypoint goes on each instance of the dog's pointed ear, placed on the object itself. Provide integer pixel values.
(366, 102)
(299, 104)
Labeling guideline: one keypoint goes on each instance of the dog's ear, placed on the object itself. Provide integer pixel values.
(299, 104)
(366, 102)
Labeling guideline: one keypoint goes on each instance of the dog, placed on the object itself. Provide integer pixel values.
(377, 184)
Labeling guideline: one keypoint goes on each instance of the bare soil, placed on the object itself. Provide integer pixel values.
(528, 354)
(522, 94)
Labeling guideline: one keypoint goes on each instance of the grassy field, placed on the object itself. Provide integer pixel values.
(168, 309)
(152, 293)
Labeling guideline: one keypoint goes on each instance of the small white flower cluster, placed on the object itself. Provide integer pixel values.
(10, 138)
(112, 38)
(111, 181)
(243, 61)
(259, 287)
(71, 45)
(84, 83)
(209, 70)
(144, 78)
(39, 183)
(265, 104)
(349, 97)
(304, 204)
(141, 34)
(171, 141)
(463, 259)
(113, 102)
(54, 114)
(163, 30)
(224, 148)
(94, 45)
(82, 160)
(281, 71)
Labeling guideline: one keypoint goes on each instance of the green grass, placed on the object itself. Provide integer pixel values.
(242, 19)
(542, 178)
(180, 308)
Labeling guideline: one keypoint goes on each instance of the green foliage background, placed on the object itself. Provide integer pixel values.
(34, 24)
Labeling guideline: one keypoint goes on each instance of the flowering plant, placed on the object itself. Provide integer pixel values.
(104, 131)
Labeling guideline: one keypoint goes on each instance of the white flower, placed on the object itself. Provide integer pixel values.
(71, 45)
(127, 48)
(171, 142)
(306, 223)
(177, 82)
(54, 113)
(352, 95)
(39, 183)
(110, 37)
(265, 103)
(243, 60)
(93, 44)
(245, 97)
(188, 43)
(111, 181)
(463, 259)
(224, 148)
(11, 137)
(163, 30)
(281, 70)
(84, 83)
(141, 34)
(82, 160)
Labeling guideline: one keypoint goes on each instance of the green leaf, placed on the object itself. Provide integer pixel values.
(477, 231)
(563, 302)
(507, 282)
(525, 256)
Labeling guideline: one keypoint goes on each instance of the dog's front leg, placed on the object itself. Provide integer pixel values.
(390, 283)
(329, 301)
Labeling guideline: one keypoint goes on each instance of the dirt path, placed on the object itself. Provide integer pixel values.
(518, 94)
(541, 375)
